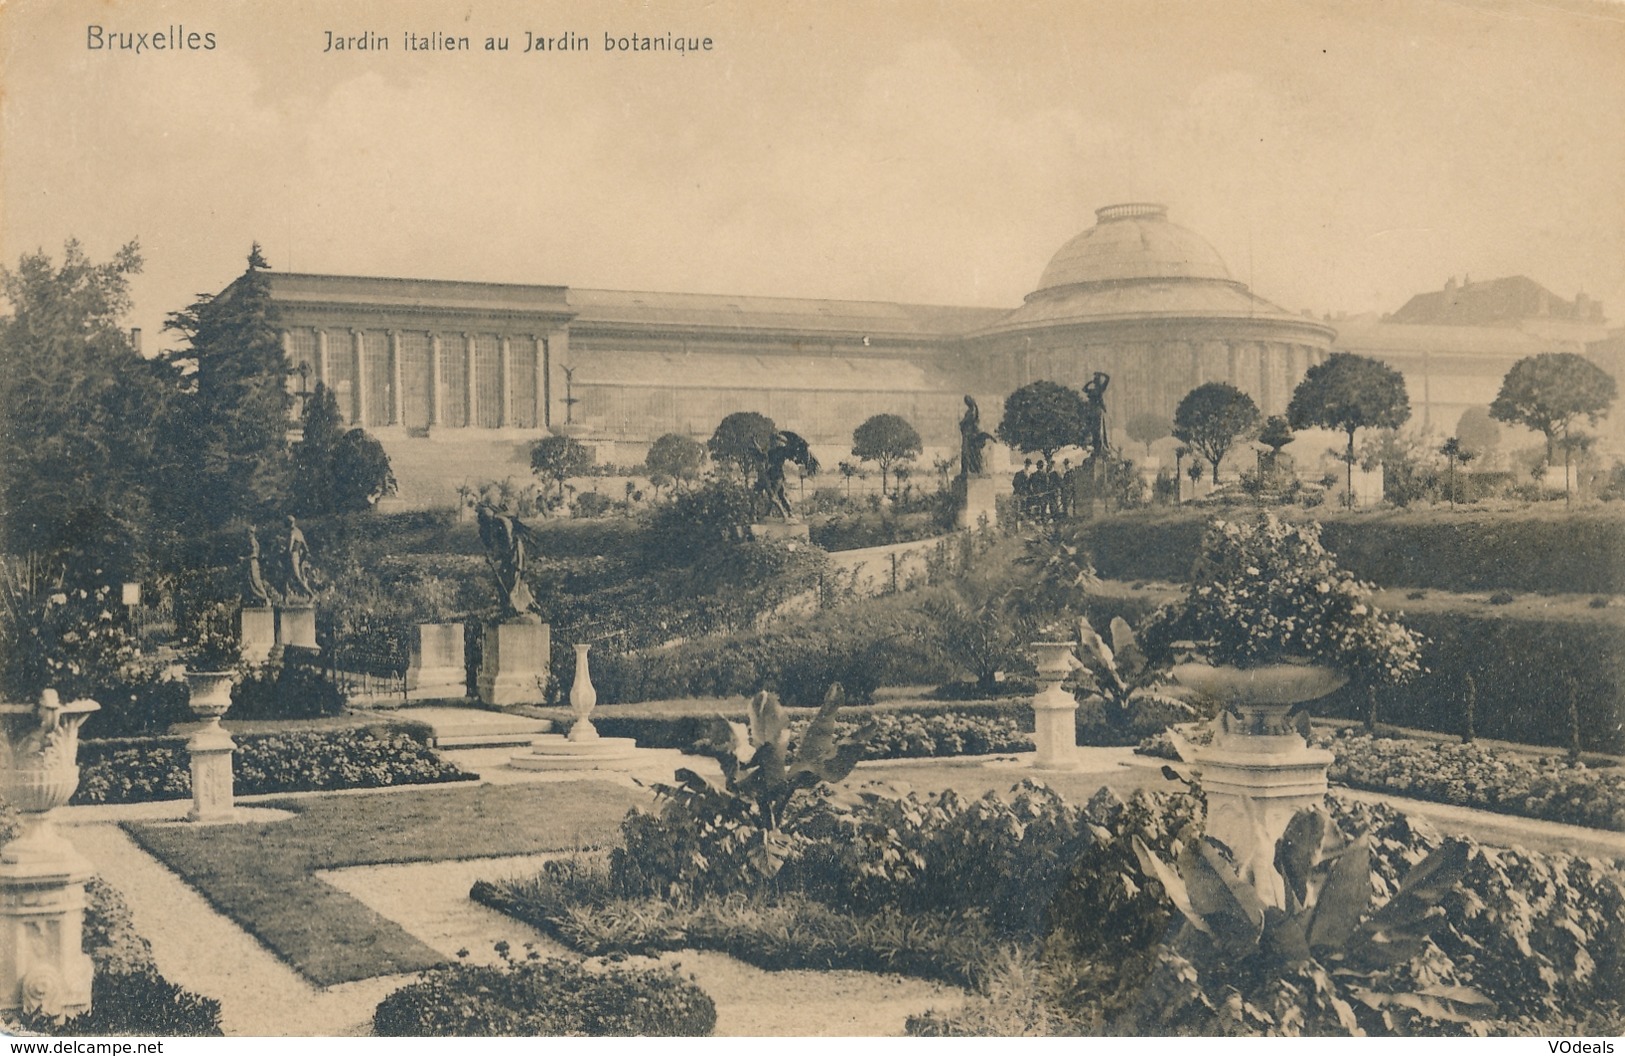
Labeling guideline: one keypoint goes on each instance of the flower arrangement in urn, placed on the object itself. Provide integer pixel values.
(1268, 592)
(209, 645)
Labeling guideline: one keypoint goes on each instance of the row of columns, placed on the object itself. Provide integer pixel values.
(359, 396)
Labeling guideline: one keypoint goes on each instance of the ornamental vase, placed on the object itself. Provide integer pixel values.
(210, 693)
(583, 698)
(39, 770)
(1055, 734)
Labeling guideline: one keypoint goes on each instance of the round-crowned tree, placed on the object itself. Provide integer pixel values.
(885, 439)
(676, 457)
(1043, 416)
(741, 440)
(1346, 393)
(1147, 428)
(1478, 432)
(1548, 392)
(1212, 417)
(558, 458)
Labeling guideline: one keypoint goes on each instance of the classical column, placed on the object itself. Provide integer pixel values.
(434, 378)
(321, 357)
(358, 347)
(397, 398)
(470, 380)
(544, 384)
(505, 380)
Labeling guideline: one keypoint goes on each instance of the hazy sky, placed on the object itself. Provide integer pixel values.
(1341, 156)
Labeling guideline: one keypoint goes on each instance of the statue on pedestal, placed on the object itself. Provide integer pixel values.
(971, 440)
(1095, 435)
(784, 447)
(505, 537)
(296, 565)
(255, 592)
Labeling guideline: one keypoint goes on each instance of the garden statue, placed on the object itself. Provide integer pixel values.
(256, 593)
(296, 564)
(1095, 438)
(784, 447)
(971, 440)
(505, 537)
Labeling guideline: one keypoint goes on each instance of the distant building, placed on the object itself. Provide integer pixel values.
(458, 379)
(1455, 345)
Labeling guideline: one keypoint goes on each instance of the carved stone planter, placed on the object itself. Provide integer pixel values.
(211, 747)
(42, 895)
(1258, 771)
(1055, 724)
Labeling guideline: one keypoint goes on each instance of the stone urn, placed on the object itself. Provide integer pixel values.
(42, 898)
(1258, 771)
(211, 747)
(210, 694)
(1055, 731)
(583, 698)
(39, 746)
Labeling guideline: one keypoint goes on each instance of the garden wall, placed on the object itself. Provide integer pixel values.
(1547, 552)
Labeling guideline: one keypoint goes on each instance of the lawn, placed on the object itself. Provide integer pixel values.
(262, 876)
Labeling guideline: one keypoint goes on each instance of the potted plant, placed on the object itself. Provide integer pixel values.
(213, 658)
(1276, 623)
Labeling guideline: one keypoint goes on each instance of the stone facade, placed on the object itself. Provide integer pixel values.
(457, 379)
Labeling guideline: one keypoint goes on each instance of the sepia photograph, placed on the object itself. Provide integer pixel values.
(744, 518)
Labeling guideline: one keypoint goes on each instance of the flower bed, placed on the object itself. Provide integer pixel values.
(552, 998)
(140, 770)
(1471, 775)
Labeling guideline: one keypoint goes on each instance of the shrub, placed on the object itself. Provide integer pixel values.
(139, 770)
(546, 998)
(1470, 775)
(290, 688)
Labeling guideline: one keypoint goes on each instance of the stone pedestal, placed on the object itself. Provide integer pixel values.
(1258, 771)
(1055, 710)
(437, 670)
(584, 748)
(975, 502)
(256, 627)
(780, 531)
(514, 662)
(296, 626)
(211, 747)
(213, 792)
(42, 896)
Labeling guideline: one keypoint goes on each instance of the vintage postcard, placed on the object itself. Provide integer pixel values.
(752, 518)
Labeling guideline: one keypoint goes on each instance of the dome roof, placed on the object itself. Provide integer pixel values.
(1131, 242)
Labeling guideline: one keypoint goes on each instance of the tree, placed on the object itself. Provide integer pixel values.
(741, 441)
(1548, 392)
(321, 428)
(885, 439)
(1346, 393)
(1453, 450)
(234, 431)
(361, 472)
(1147, 428)
(1478, 432)
(1212, 417)
(1043, 416)
(80, 451)
(558, 458)
(676, 457)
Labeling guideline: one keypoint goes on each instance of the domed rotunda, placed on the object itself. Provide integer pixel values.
(1153, 305)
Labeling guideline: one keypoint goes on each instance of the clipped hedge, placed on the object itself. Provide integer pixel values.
(1521, 668)
(1455, 550)
(141, 770)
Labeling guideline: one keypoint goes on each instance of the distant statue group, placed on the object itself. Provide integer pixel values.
(782, 449)
(293, 567)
